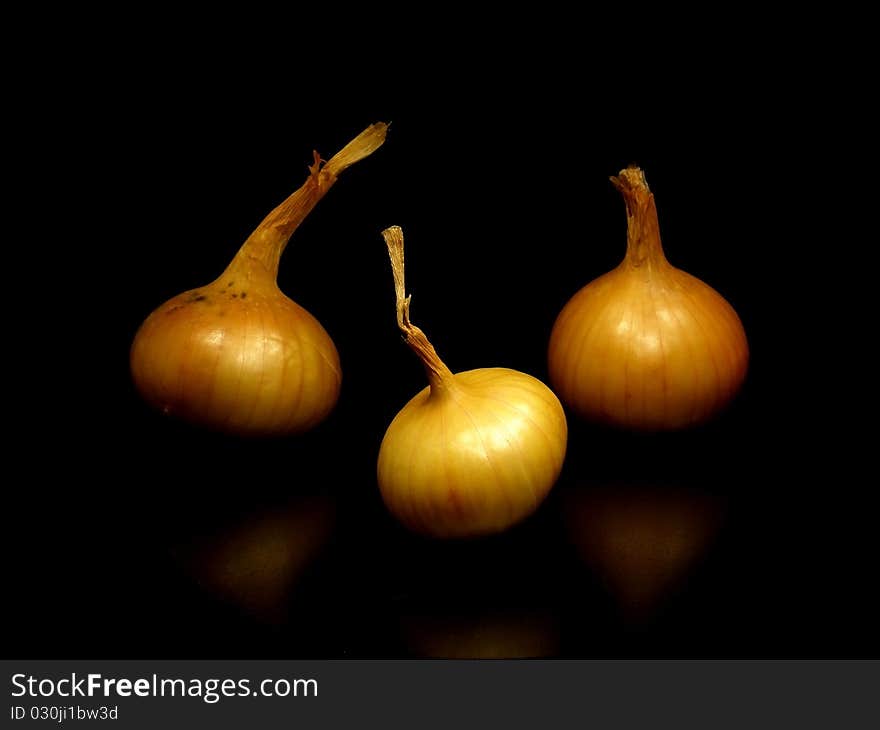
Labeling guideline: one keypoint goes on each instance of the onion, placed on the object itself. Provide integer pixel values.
(474, 452)
(237, 355)
(647, 346)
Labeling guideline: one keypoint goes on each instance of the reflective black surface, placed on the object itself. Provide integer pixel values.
(136, 536)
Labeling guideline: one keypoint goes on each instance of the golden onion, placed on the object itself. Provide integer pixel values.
(473, 453)
(237, 355)
(647, 346)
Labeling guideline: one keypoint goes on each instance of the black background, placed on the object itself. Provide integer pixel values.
(497, 169)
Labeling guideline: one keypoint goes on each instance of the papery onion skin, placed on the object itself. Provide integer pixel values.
(207, 373)
(647, 346)
(474, 460)
(473, 453)
(238, 355)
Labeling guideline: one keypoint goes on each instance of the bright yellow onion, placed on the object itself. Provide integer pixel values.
(473, 453)
(237, 355)
(647, 346)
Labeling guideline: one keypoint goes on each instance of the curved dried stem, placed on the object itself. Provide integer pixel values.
(440, 376)
(266, 244)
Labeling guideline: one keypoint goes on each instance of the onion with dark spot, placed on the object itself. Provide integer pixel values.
(238, 355)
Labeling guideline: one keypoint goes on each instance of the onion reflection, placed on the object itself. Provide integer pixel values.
(255, 563)
(482, 636)
(641, 541)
